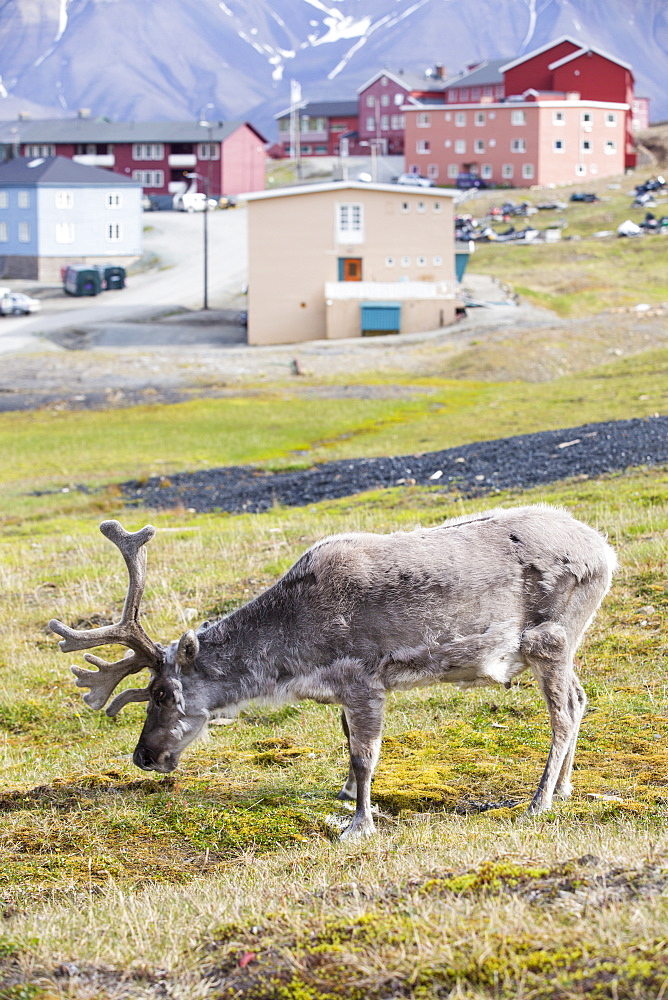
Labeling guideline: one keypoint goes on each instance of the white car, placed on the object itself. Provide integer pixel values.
(18, 304)
(416, 180)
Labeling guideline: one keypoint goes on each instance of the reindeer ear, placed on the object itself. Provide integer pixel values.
(187, 650)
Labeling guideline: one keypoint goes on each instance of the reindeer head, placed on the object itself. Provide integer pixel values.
(176, 712)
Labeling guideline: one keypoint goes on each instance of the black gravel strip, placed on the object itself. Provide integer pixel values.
(474, 469)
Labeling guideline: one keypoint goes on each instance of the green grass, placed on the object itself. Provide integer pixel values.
(587, 276)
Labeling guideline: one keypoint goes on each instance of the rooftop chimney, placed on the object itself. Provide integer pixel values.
(441, 71)
(83, 113)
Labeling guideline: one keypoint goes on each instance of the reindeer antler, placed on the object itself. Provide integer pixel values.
(143, 652)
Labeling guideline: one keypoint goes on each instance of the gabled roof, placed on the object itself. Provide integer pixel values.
(323, 109)
(340, 186)
(28, 171)
(399, 79)
(585, 50)
(485, 72)
(536, 52)
(83, 130)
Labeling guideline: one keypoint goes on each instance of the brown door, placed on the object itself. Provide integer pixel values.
(352, 268)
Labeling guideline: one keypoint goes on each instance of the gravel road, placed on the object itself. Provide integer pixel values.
(518, 462)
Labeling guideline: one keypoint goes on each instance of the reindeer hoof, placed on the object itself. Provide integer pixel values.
(356, 831)
(346, 796)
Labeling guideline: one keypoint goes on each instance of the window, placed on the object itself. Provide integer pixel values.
(385, 100)
(371, 124)
(610, 118)
(437, 206)
(507, 171)
(580, 169)
(306, 150)
(24, 199)
(453, 169)
(479, 146)
(47, 150)
(370, 101)
(405, 207)
(3, 199)
(210, 150)
(64, 199)
(423, 146)
(350, 223)
(384, 81)
(148, 151)
(463, 93)
(475, 93)
(610, 147)
(318, 124)
(499, 91)
(64, 232)
(558, 145)
(114, 232)
(479, 118)
(432, 171)
(24, 232)
(399, 99)
(4, 233)
(518, 117)
(586, 145)
(460, 118)
(405, 262)
(390, 262)
(384, 123)
(527, 171)
(420, 206)
(487, 91)
(114, 199)
(397, 123)
(283, 126)
(149, 178)
(593, 168)
(460, 145)
(421, 261)
(518, 146)
(558, 118)
(423, 120)
(437, 260)
(586, 118)
(486, 171)
(321, 150)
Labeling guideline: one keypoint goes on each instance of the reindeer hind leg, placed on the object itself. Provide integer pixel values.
(349, 791)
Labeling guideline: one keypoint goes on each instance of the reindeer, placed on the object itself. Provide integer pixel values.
(476, 600)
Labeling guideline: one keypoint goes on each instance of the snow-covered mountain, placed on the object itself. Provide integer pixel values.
(180, 59)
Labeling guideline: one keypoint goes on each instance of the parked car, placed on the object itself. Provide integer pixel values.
(194, 201)
(467, 181)
(417, 180)
(18, 304)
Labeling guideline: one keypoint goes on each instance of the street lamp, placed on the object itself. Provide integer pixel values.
(201, 177)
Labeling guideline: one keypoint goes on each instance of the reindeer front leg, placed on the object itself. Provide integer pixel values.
(365, 727)
(349, 791)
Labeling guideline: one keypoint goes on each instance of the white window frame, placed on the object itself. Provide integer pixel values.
(420, 207)
(580, 170)
(479, 118)
(518, 117)
(528, 172)
(384, 123)
(486, 171)
(460, 119)
(453, 170)
(24, 232)
(64, 199)
(114, 200)
(370, 101)
(518, 145)
(40, 151)
(558, 118)
(208, 151)
(4, 200)
(349, 222)
(390, 262)
(424, 120)
(405, 262)
(421, 261)
(148, 151)
(610, 147)
(587, 146)
(611, 118)
(423, 146)
(460, 146)
(64, 232)
(4, 232)
(370, 124)
(23, 199)
(558, 146)
(478, 145)
(114, 232)
(586, 118)
(507, 171)
(437, 260)
(432, 170)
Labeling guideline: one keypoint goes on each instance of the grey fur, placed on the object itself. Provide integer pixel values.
(476, 600)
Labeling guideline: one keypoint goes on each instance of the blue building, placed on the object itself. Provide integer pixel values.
(54, 211)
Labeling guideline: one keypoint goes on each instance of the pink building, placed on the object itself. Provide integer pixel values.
(541, 139)
(227, 157)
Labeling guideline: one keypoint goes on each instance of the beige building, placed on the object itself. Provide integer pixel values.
(348, 260)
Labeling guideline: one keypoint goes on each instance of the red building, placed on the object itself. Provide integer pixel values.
(315, 128)
(228, 158)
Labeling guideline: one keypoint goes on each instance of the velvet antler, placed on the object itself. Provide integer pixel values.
(143, 652)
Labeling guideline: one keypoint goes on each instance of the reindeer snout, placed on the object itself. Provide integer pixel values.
(142, 758)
